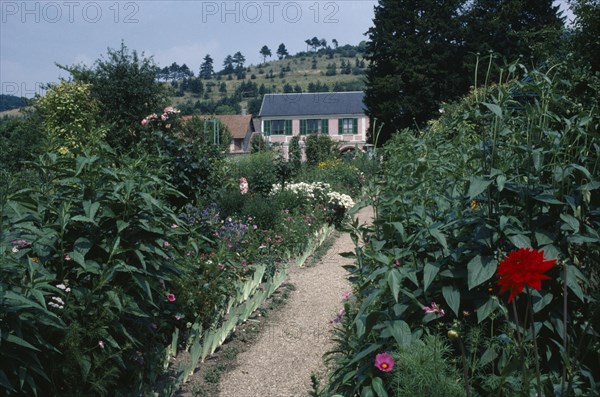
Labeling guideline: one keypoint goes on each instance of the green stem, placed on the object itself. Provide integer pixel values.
(521, 351)
(535, 347)
(465, 367)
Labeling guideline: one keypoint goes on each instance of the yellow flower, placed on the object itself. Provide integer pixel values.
(474, 204)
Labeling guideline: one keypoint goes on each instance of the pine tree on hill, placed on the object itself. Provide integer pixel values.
(206, 69)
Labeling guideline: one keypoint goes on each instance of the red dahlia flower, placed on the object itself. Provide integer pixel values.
(523, 267)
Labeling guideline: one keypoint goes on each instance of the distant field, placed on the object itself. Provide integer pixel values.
(13, 112)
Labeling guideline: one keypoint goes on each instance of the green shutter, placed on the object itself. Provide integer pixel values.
(288, 127)
(325, 126)
(267, 127)
(355, 126)
(302, 127)
(340, 126)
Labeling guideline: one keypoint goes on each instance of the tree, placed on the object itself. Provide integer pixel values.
(265, 52)
(513, 29)
(282, 52)
(586, 32)
(315, 43)
(127, 89)
(335, 43)
(415, 51)
(239, 60)
(70, 117)
(228, 65)
(206, 69)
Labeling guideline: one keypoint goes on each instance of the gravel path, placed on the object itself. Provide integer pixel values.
(292, 344)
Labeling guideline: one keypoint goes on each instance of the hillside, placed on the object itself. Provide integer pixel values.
(325, 70)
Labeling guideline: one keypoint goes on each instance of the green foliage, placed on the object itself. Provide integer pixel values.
(423, 40)
(513, 165)
(436, 45)
(319, 148)
(70, 117)
(195, 163)
(260, 170)
(22, 140)
(98, 233)
(295, 154)
(257, 143)
(8, 102)
(127, 89)
(586, 32)
(423, 369)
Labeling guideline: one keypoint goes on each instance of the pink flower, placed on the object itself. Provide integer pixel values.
(346, 295)
(174, 226)
(177, 317)
(166, 244)
(171, 297)
(243, 186)
(243, 264)
(384, 362)
(434, 308)
(144, 122)
(164, 117)
(221, 266)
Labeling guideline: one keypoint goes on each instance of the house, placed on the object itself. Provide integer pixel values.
(341, 115)
(241, 127)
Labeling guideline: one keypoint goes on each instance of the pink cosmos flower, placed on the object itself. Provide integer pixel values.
(384, 362)
(434, 308)
(171, 297)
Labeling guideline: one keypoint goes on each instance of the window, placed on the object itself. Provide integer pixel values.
(278, 127)
(348, 126)
(314, 126)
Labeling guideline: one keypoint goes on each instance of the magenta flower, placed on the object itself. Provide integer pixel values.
(171, 297)
(434, 308)
(384, 362)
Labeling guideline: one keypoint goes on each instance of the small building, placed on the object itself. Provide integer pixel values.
(341, 115)
(241, 127)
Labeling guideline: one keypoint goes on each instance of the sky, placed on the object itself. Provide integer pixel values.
(35, 35)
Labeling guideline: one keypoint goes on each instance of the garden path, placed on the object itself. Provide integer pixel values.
(290, 348)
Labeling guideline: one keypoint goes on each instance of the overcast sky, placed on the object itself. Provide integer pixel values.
(34, 35)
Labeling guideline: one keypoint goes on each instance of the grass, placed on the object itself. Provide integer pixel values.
(301, 73)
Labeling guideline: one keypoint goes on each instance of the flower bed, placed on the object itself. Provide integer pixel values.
(482, 263)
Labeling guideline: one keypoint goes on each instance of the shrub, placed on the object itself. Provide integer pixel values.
(103, 240)
(260, 171)
(320, 148)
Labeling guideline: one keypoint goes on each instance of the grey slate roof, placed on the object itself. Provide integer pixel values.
(309, 104)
